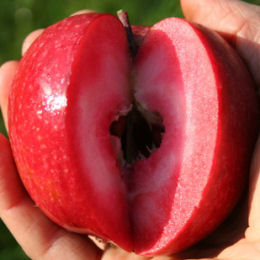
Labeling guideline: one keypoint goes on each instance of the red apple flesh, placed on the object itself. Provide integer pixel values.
(78, 78)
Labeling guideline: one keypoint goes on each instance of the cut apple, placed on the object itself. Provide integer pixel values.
(150, 151)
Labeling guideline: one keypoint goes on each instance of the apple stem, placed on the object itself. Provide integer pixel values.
(140, 131)
(124, 18)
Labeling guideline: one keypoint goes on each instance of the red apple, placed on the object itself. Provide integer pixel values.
(183, 110)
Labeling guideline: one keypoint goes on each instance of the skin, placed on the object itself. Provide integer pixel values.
(237, 238)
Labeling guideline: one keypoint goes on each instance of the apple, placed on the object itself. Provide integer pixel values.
(141, 139)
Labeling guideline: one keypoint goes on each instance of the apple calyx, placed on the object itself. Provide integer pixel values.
(140, 131)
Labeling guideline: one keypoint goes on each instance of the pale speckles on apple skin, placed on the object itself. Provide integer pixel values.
(66, 170)
(39, 138)
(34, 54)
(38, 121)
(39, 114)
(76, 26)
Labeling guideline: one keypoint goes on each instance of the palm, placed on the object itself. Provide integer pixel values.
(237, 238)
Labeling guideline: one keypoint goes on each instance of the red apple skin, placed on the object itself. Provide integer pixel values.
(72, 84)
(38, 129)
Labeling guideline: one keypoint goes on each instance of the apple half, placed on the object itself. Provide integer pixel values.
(150, 151)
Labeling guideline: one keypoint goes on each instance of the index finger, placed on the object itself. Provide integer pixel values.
(7, 73)
(30, 39)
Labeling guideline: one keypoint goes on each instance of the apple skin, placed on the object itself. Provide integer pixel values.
(73, 83)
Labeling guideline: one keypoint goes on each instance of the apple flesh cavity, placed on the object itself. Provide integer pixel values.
(150, 151)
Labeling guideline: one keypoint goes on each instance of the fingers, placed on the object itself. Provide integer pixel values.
(115, 253)
(30, 39)
(11, 189)
(38, 236)
(7, 73)
(234, 18)
(226, 16)
(86, 11)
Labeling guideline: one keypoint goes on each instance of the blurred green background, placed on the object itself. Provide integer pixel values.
(20, 17)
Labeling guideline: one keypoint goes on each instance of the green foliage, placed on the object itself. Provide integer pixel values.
(19, 17)
(2, 127)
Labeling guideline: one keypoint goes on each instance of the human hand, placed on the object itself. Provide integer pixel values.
(41, 239)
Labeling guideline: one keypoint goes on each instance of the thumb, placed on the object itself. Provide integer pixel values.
(226, 16)
(238, 20)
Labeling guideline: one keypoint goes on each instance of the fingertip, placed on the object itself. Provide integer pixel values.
(11, 189)
(188, 7)
(6, 66)
(30, 39)
(237, 21)
(7, 73)
(206, 12)
(85, 11)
